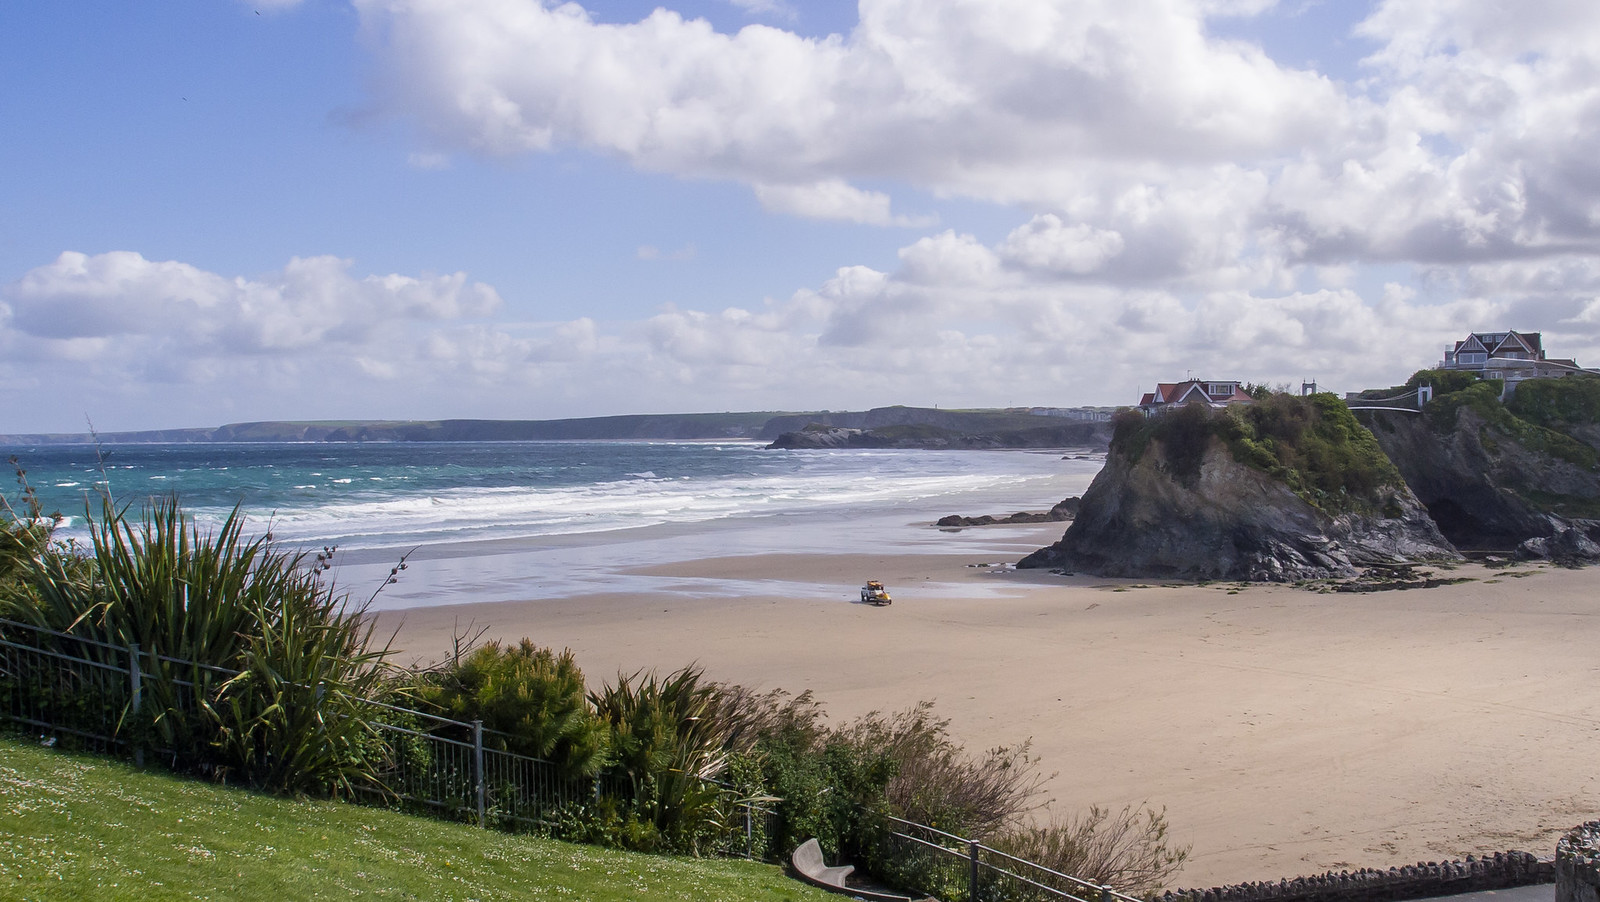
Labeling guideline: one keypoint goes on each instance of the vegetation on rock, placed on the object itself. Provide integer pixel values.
(1312, 444)
(1483, 399)
(1557, 403)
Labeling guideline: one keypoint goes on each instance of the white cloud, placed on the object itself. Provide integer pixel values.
(1048, 244)
(775, 8)
(1014, 100)
(118, 324)
(175, 308)
(1472, 140)
(834, 199)
(956, 321)
(1182, 202)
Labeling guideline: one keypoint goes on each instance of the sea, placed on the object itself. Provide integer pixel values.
(489, 521)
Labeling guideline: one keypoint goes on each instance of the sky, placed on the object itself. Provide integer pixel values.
(220, 211)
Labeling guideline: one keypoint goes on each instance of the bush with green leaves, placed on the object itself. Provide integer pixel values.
(836, 783)
(533, 699)
(1558, 403)
(667, 742)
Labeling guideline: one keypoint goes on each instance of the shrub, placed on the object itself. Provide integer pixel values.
(1315, 445)
(1483, 399)
(201, 605)
(669, 746)
(1555, 403)
(1444, 381)
(25, 532)
(934, 781)
(532, 695)
(1128, 849)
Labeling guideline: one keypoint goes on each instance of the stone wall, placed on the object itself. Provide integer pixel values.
(1419, 881)
(1578, 865)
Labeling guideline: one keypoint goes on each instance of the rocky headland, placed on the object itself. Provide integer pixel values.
(1287, 489)
(1520, 477)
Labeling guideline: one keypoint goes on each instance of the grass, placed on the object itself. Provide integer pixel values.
(82, 827)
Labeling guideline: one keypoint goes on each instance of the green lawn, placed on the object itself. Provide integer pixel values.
(81, 827)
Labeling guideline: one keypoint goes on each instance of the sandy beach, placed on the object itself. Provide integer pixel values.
(1285, 732)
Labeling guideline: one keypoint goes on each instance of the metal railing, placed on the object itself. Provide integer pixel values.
(94, 691)
(943, 864)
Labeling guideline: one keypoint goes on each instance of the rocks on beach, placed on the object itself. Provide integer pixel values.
(1063, 510)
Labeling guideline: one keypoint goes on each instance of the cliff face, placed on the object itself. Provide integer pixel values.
(1139, 518)
(1490, 480)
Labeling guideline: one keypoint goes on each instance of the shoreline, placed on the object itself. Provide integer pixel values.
(1286, 732)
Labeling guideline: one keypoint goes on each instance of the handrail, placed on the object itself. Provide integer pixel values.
(970, 851)
(41, 629)
(1101, 893)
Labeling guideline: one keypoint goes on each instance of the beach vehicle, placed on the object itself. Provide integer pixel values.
(874, 593)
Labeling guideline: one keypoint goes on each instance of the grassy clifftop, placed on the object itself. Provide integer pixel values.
(1312, 444)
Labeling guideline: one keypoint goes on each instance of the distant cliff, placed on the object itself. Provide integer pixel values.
(905, 427)
(1052, 434)
(1287, 489)
(642, 426)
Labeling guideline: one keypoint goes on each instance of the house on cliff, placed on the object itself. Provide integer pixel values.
(1212, 393)
(1512, 357)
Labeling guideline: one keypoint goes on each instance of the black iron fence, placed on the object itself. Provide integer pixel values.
(92, 691)
(66, 685)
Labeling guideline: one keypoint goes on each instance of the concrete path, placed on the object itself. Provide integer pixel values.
(1542, 892)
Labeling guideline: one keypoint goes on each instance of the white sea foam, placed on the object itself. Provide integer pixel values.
(869, 483)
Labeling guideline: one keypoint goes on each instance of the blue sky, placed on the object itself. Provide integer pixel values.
(225, 211)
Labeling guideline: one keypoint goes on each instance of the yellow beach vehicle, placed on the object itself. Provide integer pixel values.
(874, 593)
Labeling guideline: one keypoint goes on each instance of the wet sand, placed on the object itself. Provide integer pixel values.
(1285, 732)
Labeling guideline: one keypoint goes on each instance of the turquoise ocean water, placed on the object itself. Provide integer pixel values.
(577, 507)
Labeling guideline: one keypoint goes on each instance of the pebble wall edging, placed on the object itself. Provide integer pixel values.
(1578, 864)
(1420, 881)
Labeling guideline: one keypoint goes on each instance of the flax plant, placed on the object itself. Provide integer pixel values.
(253, 666)
(666, 739)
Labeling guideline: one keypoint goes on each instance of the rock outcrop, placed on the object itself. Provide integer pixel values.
(1234, 522)
(1063, 510)
(1492, 481)
(1176, 500)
